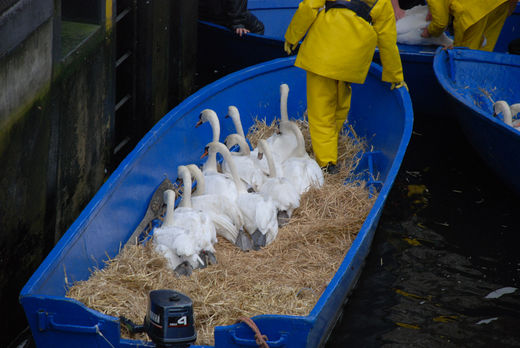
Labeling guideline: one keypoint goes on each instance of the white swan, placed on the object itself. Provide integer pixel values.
(283, 193)
(283, 144)
(515, 109)
(248, 166)
(210, 116)
(235, 117)
(259, 213)
(301, 170)
(222, 211)
(174, 242)
(410, 27)
(197, 222)
(502, 107)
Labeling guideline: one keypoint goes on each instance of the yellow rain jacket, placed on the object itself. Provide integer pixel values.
(465, 14)
(340, 45)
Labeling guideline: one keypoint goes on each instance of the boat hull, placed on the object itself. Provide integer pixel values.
(473, 80)
(117, 208)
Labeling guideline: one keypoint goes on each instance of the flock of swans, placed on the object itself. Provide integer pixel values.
(254, 193)
(509, 113)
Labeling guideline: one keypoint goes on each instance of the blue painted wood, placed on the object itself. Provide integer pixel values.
(108, 220)
(474, 80)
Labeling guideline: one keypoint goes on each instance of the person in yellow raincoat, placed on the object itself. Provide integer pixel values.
(337, 50)
(476, 24)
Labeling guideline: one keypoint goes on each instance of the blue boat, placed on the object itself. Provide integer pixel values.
(222, 52)
(117, 208)
(475, 80)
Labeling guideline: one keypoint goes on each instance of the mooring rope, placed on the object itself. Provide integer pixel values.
(260, 339)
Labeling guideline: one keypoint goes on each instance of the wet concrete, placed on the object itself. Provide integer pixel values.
(448, 236)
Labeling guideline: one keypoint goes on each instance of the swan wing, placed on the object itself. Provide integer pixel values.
(283, 193)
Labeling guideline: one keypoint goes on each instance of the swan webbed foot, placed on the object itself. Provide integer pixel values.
(259, 240)
(250, 190)
(208, 258)
(283, 218)
(244, 241)
(184, 269)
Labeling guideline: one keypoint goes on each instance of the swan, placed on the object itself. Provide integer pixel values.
(222, 211)
(502, 107)
(259, 213)
(283, 143)
(279, 189)
(175, 242)
(225, 184)
(410, 26)
(197, 222)
(235, 117)
(248, 166)
(209, 115)
(515, 109)
(301, 170)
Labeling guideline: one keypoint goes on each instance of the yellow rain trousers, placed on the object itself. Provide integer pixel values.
(327, 112)
(476, 24)
(338, 50)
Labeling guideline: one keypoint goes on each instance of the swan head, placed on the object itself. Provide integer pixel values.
(199, 177)
(205, 116)
(284, 89)
(500, 106)
(169, 197)
(214, 147)
(233, 112)
(236, 139)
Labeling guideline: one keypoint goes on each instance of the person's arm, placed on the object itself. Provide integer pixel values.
(440, 14)
(399, 12)
(384, 25)
(302, 20)
(236, 13)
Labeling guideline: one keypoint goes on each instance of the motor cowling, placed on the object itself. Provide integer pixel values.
(169, 319)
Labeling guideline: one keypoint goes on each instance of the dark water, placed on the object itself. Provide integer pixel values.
(448, 236)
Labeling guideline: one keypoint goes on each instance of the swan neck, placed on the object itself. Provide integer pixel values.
(244, 148)
(269, 157)
(211, 162)
(238, 123)
(215, 127)
(186, 190)
(170, 206)
(232, 167)
(283, 105)
(300, 142)
(201, 184)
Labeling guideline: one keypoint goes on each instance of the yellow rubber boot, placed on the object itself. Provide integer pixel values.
(328, 102)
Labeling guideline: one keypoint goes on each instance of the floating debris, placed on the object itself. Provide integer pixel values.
(500, 292)
(487, 321)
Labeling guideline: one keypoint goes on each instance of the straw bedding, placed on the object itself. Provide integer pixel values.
(286, 277)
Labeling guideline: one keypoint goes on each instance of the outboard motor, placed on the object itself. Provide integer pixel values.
(169, 319)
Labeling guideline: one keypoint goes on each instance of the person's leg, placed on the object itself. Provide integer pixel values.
(494, 24)
(321, 111)
(343, 104)
(471, 37)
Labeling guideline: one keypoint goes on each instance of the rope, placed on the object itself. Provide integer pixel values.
(260, 339)
(98, 331)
